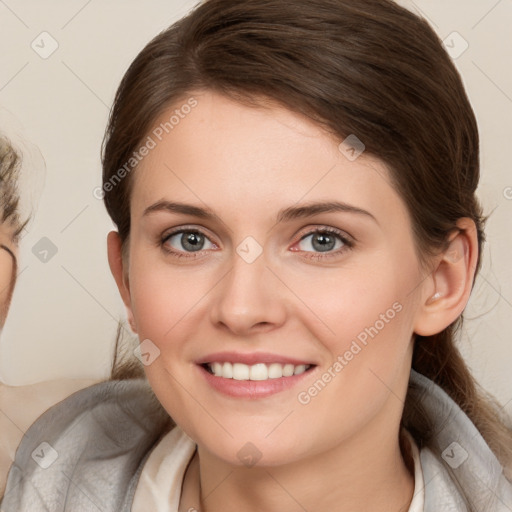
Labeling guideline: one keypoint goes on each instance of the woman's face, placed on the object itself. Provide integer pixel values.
(7, 269)
(276, 281)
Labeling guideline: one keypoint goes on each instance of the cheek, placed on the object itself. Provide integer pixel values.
(369, 312)
(6, 270)
(366, 315)
(5, 281)
(346, 303)
(164, 299)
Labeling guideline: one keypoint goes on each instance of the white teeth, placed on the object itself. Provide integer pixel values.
(288, 370)
(227, 370)
(275, 371)
(240, 371)
(299, 369)
(259, 371)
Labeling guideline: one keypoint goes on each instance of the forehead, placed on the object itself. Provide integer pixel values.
(225, 153)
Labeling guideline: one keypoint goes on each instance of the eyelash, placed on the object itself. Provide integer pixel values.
(347, 244)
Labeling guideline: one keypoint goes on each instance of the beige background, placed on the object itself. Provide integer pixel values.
(64, 314)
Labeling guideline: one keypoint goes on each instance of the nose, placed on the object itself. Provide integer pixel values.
(249, 299)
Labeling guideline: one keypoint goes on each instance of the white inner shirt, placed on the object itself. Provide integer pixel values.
(159, 486)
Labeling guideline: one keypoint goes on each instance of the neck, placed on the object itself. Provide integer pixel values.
(365, 472)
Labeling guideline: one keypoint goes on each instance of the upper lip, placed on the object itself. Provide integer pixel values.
(251, 358)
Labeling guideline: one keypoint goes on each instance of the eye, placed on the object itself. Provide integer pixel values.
(186, 241)
(329, 241)
(322, 243)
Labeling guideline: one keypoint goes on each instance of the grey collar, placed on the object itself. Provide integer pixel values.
(87, 452)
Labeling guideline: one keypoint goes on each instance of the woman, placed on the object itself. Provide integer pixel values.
(293, 185)
(10, 224)
(37, 398)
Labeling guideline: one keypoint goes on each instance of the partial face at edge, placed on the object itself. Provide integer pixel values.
(309, 295)
(7, 269)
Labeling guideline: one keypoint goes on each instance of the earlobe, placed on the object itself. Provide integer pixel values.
(117, 267)
(448, 288)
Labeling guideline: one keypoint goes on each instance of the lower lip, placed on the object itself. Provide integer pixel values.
(252, 389)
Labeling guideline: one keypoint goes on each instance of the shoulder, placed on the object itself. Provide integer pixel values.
(86, 449)
(21, 406)
(460, 470)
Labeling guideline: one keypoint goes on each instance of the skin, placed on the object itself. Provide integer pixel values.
(246, 164)
(8, 252)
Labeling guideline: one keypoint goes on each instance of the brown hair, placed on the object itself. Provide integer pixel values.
(9, 197)
(369, 68)
(9, 208)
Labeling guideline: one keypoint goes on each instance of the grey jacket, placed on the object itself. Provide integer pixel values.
(87, 452)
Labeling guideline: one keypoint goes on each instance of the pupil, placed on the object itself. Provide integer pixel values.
(326, 242)
(192, 241)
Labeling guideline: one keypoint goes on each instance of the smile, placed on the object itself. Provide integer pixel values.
(258, 371)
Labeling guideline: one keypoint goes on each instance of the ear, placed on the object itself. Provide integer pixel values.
(120, 273)
(446, 292)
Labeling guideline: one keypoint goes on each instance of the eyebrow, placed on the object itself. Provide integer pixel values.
(310, 209)
(284, 215)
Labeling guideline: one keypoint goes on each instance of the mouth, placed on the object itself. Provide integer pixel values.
(255, 372)
(253, 375)
(254, 381)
